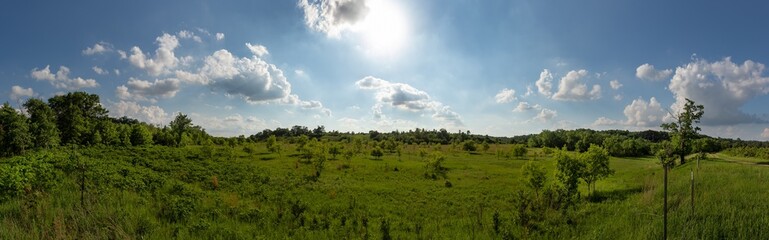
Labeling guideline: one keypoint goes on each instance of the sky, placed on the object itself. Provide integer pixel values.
(501, 68)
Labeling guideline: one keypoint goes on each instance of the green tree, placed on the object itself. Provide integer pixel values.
(518, 150)
(596, 162)
(334, 150)
(568, 171)
(685, 127)
(42, 124)
(377, 152)
(140, 135)
(469, 145)
(485, 146)
(15, 137)
(534, 176)
(77, 113)
(272, 142)
(434, 167)
(179, 126)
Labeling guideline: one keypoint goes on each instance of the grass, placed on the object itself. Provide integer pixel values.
(165, 193)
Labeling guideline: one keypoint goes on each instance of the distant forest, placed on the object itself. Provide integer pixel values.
(78, 118)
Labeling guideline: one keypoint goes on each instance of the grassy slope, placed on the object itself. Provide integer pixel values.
(353, 202)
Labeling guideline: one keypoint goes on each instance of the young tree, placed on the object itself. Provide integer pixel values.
(15, 137)
(377, 152)
(534, 176)
(272, 141)
(568, 172)
(685, 127)
(180, 125)
(140, 135)
(469, 145)
(334, 150)
(666, 156)
(42, 124)
(518, 150)
(596, 162)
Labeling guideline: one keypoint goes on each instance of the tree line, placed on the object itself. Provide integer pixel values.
(78, 118)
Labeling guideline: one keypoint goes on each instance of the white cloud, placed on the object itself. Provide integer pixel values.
(141, 90)
(117, 71)
(62, 80)
(164, 60)
(765, 133)
(505, 96)
(98, 48)
(571, 89)
(405, 97)
(149, 114)
(545, 83)
(252, 78)
(647, 72)
(332, 17)
(546, 114)
(123, 54)
(18, 93)
(99, 70)
(641, 113)
(229, 125)
(219, 36)
(722, 87)
(257, 49)
(615, 84)
(524, 106)
(618, 97)
(529, 91)
(184, 34)
(603, 121)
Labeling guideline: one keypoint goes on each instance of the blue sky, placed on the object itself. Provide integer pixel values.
(492, 67)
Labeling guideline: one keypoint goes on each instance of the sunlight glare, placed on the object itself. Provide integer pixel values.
(385, 29)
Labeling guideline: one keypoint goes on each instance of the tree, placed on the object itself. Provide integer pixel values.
(377, 152)
(272, 141)
(469, 145)
(140, 135)
(518, 150)
(485, 146)
(76, 115)
(42, 124)
(534, 176)
(334, 150)
(596, 161)
(180, 125)
(666, 156)
(685, 127)
(568, 171)
(15, 131)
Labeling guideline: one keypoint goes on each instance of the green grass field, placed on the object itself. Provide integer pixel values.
(229, 193)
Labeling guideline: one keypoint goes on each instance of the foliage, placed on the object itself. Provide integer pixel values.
(534, 176)
(568, 172)
(434, 167)
(377, 152)
(684, 127)
(596, 162)
(14, 131)
(518, 150)
(180, 125)
(42, 124)
(469, 145)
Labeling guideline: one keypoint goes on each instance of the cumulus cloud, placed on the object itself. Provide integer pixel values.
(648, 72)
(149, 114)
(141, 90)
(765, 133)
(99, 70)
(615, 84)
(545, 83)
(18, 93)
(252, 78)
(184, 34)
(525, 106)
(332, 17)
(405, 97)
(98, 48)
(571, 89)
(61, 79)
(639, 113)
(164, 60)
(257, 50)
(505, 96)
(545, 115)
(219, 36)
(722, 87)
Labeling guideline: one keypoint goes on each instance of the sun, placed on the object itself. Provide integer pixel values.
(384, 31)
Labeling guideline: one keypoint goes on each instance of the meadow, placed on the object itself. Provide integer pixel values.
(244, 191)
